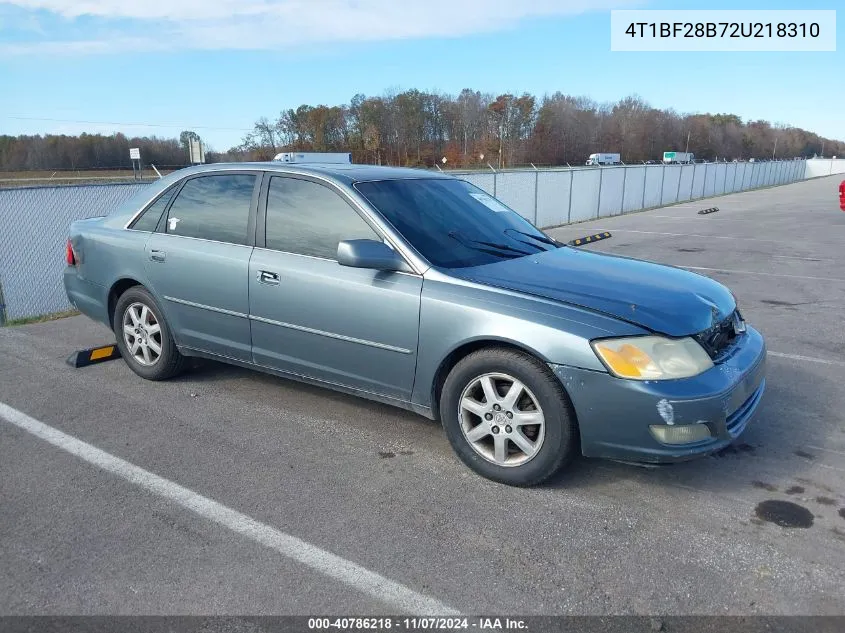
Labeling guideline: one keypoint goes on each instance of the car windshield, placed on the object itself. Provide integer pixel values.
(452, 223)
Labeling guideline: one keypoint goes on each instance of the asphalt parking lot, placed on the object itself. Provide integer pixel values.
(388, 519)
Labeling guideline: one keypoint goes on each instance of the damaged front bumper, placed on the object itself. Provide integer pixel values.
(617, 418)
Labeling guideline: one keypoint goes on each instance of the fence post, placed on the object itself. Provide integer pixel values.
(495, 174)
(536, 195)
(662, 180)
(704, 190)
(624, 185)
(598, 202)
(569, 206)
(678, 192)
(725, 180)
(645, 182)
(692, 184)
(2, 306)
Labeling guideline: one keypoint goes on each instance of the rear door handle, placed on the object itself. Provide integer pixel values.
(157, 256)
(267, 277)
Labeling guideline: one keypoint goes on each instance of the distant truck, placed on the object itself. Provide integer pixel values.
(604, 159)
(678, 157)
(314, 157)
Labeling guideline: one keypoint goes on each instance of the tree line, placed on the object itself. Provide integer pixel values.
(86, 151)
(417, 128)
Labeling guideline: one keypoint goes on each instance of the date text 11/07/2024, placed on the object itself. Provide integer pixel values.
(417, 624)
(723, 29)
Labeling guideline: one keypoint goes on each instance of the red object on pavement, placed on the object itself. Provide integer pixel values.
(842, 195)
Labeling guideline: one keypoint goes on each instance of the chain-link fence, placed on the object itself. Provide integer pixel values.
(34, 226)
(34, 221)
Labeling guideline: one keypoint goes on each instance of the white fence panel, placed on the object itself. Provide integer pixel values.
(553, 197)
(585, 194)
(747, 175)
(816, 167)
(685, 183)
(669, 187)
(754, 180)
(516, 189)
(730, 177)
(634, 188)
(653, 186)
(719, 176)
(708, 179)
(698, 174)
(612, 190)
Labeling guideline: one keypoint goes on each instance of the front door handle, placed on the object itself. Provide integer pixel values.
(157, 256)
(267, 277)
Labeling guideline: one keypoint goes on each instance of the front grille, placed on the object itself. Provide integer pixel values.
(719, 338)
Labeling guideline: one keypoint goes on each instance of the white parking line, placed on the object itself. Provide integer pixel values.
(806, 259)
(827, 450)
(807, 359)
(754, 272)
(318, 559)
(711, 237)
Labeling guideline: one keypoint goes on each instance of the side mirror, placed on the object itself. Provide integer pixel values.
(370, 254)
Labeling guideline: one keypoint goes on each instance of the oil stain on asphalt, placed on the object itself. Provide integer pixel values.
(795, 490)
(784, 514)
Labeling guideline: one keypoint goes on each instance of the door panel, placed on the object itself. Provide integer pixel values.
(203, 286)
(199, 261)
(350, 326)
(313, 317)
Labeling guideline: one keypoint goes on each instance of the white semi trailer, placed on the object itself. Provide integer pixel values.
(604, 159)
(678, 157)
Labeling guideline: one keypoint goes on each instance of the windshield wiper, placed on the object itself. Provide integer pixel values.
(539, 238)
(509, 250)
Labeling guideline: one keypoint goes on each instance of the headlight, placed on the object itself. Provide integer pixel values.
(652, 357)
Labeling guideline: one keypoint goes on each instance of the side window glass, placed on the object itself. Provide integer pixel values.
(213, 208)
(307, 218)
(148, 220)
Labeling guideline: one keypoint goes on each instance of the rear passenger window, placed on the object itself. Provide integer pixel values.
(148, 220)
(213, 208)
(306, 218)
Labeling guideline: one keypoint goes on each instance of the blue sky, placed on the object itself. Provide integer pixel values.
(217, 65)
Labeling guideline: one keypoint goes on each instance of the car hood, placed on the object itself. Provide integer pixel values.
(660, 298)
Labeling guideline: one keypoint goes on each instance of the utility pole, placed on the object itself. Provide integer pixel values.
(686, 150)
(775, 149)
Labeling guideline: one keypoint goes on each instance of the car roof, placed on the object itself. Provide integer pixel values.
(344, 173)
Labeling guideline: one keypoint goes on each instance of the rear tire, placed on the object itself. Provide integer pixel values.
(144, 338)
(508, 417)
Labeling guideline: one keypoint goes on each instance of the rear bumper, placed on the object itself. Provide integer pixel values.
(87, 297)
(614, 414)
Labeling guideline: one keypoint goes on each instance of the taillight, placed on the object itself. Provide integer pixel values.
(69, 255)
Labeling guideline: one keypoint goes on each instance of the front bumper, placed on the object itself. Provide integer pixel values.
(614, 414)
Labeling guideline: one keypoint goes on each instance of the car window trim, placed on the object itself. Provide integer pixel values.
(323, 259)
(253, 203)
(171, 190)
(354, 206)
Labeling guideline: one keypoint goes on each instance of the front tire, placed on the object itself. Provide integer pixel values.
(507, 417)
(144, 338)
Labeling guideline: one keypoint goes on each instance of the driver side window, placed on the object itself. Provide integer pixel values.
(306, 218)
